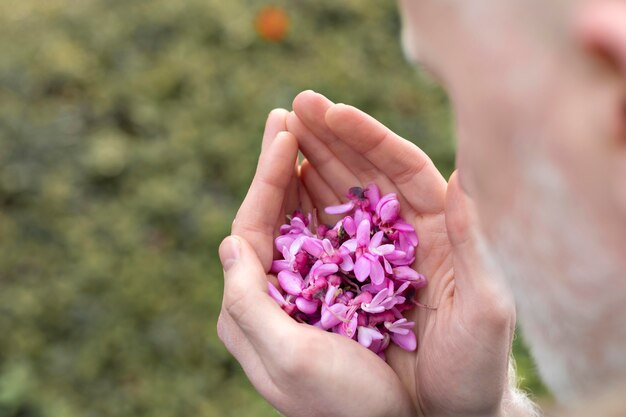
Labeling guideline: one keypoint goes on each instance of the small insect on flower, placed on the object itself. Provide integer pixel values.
(354, 278)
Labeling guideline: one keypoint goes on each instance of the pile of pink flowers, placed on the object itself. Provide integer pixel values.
(355, 278)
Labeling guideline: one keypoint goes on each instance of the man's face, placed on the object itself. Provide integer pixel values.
(537, 151)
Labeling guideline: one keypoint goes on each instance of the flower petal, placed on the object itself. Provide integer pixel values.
(306, 306)
(377, 273)
(284, 241)
(388, 208)
(406, 273)
(275, 294)
(279, 265)
(291, 282)
(346, 264)
(325, 270)
(407, 341)
(350, 245)
(372, 192)
(388, 268)
(382, 294)
(296, 245)
(362, 268)
(403, 226)
(328, 247)
(340, 209)
(363, 233)
(349, 329)
(373, 309)
(329, 298)
(349, 226)
(366, 335)
(332, 315)
(313, 246)
(376, 240)
(383, 250)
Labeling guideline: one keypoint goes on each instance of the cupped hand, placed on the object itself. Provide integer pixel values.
(464, 333)
(299, 369)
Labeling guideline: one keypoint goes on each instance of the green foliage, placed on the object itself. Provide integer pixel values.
(129, 131)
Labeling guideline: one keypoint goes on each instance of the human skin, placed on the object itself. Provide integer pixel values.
(464, 340)
(538, 90)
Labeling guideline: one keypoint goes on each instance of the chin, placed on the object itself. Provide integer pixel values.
(564, 283)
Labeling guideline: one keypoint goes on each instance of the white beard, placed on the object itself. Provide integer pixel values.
(570, 293)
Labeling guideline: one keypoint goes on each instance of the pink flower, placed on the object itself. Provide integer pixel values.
(348, 328)
(368, 250)
(291, 282)
(276, 295)
(334, 315)
(373, 195)
(402, 334)
(324, 251)
(307, 306)
(324, 274)
(406, 273)
(388, 208)
(294, 258)
(366, 335)
(382, 301)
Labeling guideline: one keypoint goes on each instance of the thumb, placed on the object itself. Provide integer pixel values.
(471, 273)
(246, 298)
(476, 274)
(241, 264)
(461, 223)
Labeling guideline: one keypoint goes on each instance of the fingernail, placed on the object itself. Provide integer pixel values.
(229, 252)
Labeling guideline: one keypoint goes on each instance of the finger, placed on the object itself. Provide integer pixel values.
(311, 108)
(410, 169)
(321, 193)
(276, 123)
(292, 198)
(262, 208)
(304, 195)
(246, 300)
(334, 172)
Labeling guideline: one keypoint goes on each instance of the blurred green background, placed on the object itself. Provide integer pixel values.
(129, 131)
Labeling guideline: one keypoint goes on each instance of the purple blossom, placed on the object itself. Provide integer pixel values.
(388, 209)
(368, 251)
(324, 274)
(402, 333)
(368, 334)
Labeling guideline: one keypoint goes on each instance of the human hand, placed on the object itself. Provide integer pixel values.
(461, 366)
(301, 370)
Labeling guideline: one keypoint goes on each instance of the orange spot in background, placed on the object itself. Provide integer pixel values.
(272, 23)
